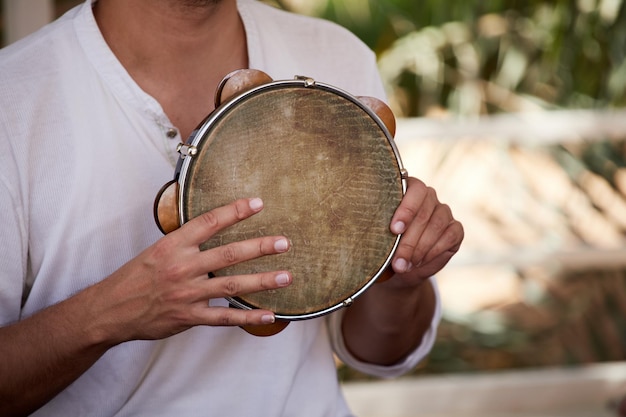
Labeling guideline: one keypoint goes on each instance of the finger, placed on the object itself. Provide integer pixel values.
(199, 229)
(425, 270)
(449, 242)
(409, 208)
(416, 211)
(233, 253)
(238, 285)
(433, 240)
(439, 255)
(434, 265)
(225, 316)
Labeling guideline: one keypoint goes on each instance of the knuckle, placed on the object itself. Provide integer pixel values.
(175, 271)
(442, 219)
(163, 248)
(431, 193)
(405, 248)
(240, 210)
(160, 261)
(210, 219)
(229, 254)
(235, 317)
(266, 246)
(410, 212)
(176, 296)
(416, 183)
(267, 282)
(250, 320)
(460, 230)
(231, 287)
(455, 233)
(262, 248)
(439, 223)
(421, 216)
(225, 318)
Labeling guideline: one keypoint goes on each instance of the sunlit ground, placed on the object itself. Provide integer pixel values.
(548, 392)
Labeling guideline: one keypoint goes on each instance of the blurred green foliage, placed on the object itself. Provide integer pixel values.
(477, 57)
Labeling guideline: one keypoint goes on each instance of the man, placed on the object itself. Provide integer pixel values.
(104, 316)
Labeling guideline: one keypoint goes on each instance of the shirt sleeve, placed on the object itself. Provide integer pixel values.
(392, 371)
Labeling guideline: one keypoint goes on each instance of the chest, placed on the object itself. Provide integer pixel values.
(92, 186)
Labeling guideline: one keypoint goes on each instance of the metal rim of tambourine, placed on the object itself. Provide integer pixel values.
(189, 150)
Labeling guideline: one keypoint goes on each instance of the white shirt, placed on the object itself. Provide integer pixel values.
(83, 152)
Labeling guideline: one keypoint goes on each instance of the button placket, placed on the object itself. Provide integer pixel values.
(171, 133)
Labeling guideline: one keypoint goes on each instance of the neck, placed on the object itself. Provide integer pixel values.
(144, 31)
(176, 50)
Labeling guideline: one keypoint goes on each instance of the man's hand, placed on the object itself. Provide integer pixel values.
(166, 289)
(431, 235)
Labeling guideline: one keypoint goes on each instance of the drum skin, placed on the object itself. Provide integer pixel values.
(330, 178)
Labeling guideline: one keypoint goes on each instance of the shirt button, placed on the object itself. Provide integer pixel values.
(171, 133)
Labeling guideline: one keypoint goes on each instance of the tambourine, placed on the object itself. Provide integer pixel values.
(326, 166)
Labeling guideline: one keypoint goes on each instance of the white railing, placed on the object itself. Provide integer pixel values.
(531, 128)
(487, 166)
(584, 391)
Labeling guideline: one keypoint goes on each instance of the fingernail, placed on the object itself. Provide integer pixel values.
(268, 319)
(398, 227)
(255, 204)
(281, 245)
(282, 279)
(400, 265)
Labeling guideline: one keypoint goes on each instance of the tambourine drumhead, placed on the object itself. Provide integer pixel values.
(330, 178)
